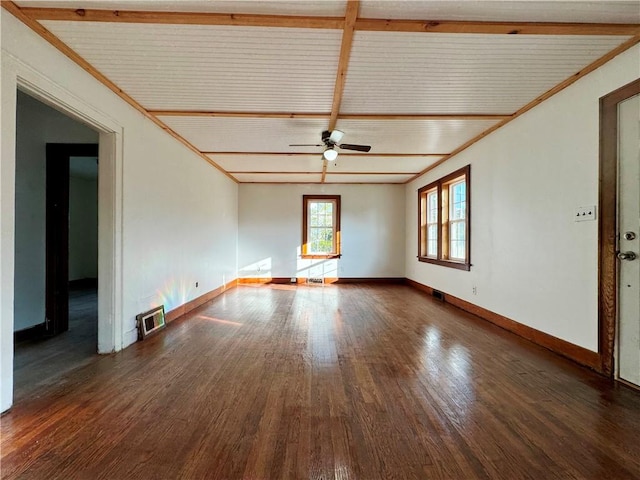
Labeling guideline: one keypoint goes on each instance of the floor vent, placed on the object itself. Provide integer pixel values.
(437, 294)
(150, 322)
(315, 280)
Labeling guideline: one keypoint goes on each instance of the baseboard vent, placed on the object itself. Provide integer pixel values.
(315, 280)
(438, 295)
(150, 322)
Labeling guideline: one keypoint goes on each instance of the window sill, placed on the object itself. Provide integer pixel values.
(321, 257)
(446, 263)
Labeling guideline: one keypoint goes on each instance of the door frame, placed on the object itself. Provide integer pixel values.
(110, 195)
(608, 225)
(58, 156)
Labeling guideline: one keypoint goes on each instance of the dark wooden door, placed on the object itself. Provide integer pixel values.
(57, 232)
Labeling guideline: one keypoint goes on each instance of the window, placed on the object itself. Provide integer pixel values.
(443, 231)
(321, 226)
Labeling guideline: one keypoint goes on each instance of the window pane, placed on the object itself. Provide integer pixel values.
(432, 201)
(321, 240)
(458, 195)
(432, 241)
(328, 208)
(457, 240)
(321, 214)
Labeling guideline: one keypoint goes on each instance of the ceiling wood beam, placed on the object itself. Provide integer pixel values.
(326, 183)
(349, 116)
(182, 18)
(342, 154)
(86, 66)
(545, 96)
(265, 172)
(496, 28)
(425, 116)
(222, 114)
(350, 18)
(365, 24)
(343, 63)
(324, 170)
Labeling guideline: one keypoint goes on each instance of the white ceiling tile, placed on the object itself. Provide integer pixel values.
(328, 8)
(269, 163)
(380, 164)
(412, 136)
(391, 72)
(573, 11)
(263, 135)
(277, 178)
(363, 178)
(198, 67)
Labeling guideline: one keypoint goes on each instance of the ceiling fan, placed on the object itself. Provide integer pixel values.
(330, 140)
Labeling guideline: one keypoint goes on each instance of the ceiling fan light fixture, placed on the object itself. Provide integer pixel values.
(336, 136)
(330, 154)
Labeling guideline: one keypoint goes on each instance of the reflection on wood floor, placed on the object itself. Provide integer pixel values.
(335, 382)
(42, 362)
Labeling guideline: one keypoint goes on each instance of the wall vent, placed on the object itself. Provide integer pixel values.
(437, 294)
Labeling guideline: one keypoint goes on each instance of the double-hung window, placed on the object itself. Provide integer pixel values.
(444, 225)
(321, 226)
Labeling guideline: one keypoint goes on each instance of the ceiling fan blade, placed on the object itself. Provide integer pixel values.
(306, 145)
(357, 148)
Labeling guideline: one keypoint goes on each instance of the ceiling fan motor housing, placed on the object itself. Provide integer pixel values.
(326, 138)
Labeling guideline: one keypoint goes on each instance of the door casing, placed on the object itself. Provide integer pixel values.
(607, 225)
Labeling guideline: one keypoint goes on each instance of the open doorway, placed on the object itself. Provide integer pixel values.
(56, 254)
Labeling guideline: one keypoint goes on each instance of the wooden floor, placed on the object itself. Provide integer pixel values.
(344, 382)
(38, 363)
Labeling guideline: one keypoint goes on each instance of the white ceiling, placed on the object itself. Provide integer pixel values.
(242, 94)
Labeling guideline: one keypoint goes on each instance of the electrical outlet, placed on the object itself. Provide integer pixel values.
(196, 284)
(584, 214)
(474, 290)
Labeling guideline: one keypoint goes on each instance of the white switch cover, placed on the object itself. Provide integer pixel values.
(583, 214)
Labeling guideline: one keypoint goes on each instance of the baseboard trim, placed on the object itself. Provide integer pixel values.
(264, 280)
(327, 280)
(392, 280)
(566, 349)
(196, 302)
(31, 333)
(83, 283)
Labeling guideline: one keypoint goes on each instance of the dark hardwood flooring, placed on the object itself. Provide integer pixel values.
(43, 362)
(334, 382)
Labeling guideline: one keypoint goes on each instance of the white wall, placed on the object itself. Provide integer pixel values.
(37, 125)
(178, 214)
(270, 231)
(531, 261)
(83, 225)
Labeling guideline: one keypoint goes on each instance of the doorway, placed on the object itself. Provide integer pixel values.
(619, 234)
(43, 186)
(59, 250)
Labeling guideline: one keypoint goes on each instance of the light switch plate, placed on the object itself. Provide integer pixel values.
(584, 214)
